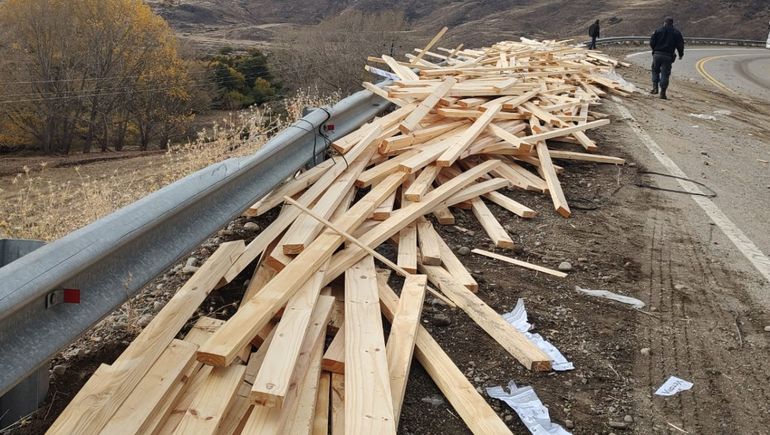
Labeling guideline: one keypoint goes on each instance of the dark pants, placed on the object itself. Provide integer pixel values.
(661, 69)
(592, 44)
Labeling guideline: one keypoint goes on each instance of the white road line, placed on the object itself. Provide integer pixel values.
(741, 241)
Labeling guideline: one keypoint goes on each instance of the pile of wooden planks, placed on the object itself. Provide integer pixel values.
(306, 351)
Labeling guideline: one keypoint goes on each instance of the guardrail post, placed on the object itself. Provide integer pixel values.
(28, 394)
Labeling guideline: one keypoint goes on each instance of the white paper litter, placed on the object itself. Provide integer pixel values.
(634, 302)
(702, 116)
(382, 73)
(530, 409)
(518, 319)
(723, 112)
(673, 385)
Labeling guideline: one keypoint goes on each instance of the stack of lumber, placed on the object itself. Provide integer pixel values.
(306, 351)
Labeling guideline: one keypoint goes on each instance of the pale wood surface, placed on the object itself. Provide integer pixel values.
(368, 400)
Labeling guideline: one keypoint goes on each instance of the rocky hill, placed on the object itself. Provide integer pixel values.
(474, 22)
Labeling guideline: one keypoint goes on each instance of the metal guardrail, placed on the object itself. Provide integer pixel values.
(112, 258)
(688, 40)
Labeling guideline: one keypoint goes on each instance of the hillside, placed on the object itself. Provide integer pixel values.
(474, 22)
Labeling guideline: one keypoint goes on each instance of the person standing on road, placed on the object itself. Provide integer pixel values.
(664, 42)
(593, 32)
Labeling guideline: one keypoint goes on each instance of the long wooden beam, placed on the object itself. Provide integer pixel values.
(480, 418)
(88, 414)
(222, 348)
(403, 331)
(513, 341)
(368, 398)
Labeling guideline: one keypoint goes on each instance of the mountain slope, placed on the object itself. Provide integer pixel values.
(476, 21)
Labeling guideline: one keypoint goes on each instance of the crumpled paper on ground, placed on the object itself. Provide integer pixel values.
(518, 319)
(530, 409)
(634, 302)
(672, 386)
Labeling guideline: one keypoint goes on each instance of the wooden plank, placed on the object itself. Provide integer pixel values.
(585, 141)
(212, 401)
(403, 72)
(519, 263)
(550, 134)
(345, 143)
(305, 229)
(513, 341)
(337, 413)
(418, 137)
(368, 250)
(480, 418)
(448, 157)
(262, 275)
(296, 363)
(554, 187)
(511, 138)
(429, 248)
(289, 188)
(89, 415)
(237, 416)
(384, 210)
(184, 402)
(491, 225)
(200, 332)
(443, 215)
(426, 155)
(402, 335)
(383, 93)
(412, 122)
(377, 173)
(287, 217)
(402, 217)
(222, 348)
(543, 115)
(430, 44)
(372, 135)
(136, 413)
(322, 408)
(511, 205)
(272, 383)
(261, 420)
(407, 242)
(422, 183)
(455, 267)
(301, 418)
(569, 155)
(334, 357)
(476, 190)
(368, 399)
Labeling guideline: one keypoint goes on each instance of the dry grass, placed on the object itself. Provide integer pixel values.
(48, 203)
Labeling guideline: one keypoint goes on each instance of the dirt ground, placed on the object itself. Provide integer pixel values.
(701, 322)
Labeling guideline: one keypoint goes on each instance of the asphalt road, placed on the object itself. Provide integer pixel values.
(743, 71)
(713, 130)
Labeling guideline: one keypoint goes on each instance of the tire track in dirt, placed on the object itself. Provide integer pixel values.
(694, 333)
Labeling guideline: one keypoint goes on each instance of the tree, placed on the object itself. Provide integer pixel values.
(331, 55)
(243, 79)
(90, 67)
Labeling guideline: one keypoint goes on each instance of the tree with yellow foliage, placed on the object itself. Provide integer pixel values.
(87, 72)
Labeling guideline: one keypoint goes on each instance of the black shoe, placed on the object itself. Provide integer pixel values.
(663, 94)
(654, 90)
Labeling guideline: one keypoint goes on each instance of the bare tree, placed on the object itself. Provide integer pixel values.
(331, 55)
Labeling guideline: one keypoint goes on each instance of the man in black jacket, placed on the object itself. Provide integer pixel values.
(664, 42)
(593, 32)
